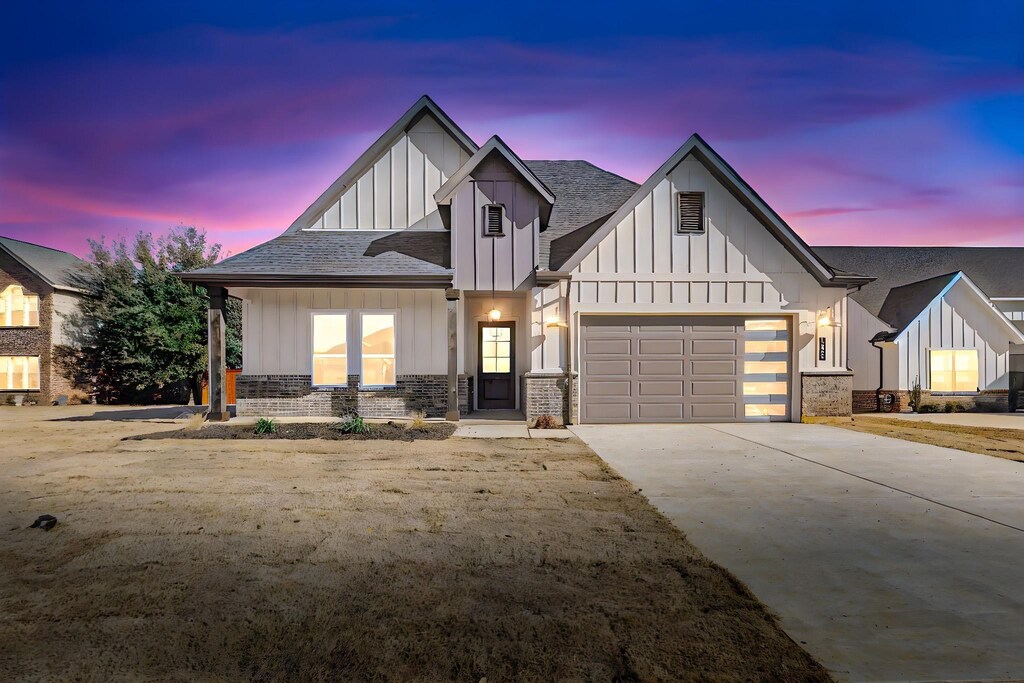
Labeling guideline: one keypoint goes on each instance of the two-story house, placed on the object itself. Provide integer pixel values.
(37, 292)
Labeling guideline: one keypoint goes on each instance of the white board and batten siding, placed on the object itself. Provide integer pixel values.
(956, 320)
(398, 191)
(482, 262)
(864, 358)
(277, 327)
(735, 266)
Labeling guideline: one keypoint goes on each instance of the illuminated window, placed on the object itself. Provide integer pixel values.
(764, 367)
(764, 409)
(330, 349)
(763, 388)
(18, 309)
(954, 370)
(19, 373)
(756, 346)
(496, 349)
(756, 325)
(378, 349)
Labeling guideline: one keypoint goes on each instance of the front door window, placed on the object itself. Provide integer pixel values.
(497, 365)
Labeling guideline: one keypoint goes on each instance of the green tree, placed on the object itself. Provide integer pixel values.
(140, 329)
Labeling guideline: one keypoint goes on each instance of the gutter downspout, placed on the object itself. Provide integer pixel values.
(568, 341)
(881, 372)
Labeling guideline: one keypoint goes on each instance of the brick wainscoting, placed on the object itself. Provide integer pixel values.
(990, 400)
(826, 394)
(546, 394)
(865, 401)
(295, 395)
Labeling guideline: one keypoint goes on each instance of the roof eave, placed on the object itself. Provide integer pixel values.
(389, 281)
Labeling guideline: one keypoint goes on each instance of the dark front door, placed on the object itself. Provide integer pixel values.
(496, 369)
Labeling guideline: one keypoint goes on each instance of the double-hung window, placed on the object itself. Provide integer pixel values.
(19, 373)
(954, 370)
(378, 349)
(18, 309)
(330, 349)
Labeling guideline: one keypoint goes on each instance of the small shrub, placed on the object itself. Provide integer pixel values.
(78, 398)
(265, 425)
(9, 400)
(353, 425)
(194, 423)
(418, 420)
(915, 395)
(929, 408)
(546, 422)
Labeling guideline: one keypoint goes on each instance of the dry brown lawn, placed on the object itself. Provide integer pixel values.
(514, 560)
(1002, 443)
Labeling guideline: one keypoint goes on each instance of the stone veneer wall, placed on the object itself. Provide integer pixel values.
(31, 341)
(295, 395)
(826, 395)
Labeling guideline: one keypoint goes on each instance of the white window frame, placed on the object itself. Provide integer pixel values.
(377, 311)
(8, 316)
(348, 344)
(39, 378)
(953, 392)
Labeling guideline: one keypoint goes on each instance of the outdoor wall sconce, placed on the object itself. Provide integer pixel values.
(555, 322)
(825, 319)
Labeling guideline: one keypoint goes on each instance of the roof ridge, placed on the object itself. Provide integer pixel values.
(584, 161)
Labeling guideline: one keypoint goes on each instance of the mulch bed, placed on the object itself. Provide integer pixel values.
(390, 431)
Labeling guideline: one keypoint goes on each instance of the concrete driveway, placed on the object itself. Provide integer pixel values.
(887, 560)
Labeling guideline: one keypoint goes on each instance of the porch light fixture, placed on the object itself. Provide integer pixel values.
(494, 314)
(826, 320)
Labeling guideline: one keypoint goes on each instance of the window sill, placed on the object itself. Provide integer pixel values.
(376, 387)
(955, 393)
(19, 327)
(328, 387)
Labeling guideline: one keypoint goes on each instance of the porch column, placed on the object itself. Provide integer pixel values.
(453, 295)
(218, 411)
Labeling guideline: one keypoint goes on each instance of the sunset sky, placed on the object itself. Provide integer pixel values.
(859, 122)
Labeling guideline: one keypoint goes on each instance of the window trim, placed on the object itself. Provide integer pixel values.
(39, 303)
(393, 312)
(312, 349)
(503, 212)
(680, 230)
(954, 392)
(39, 377)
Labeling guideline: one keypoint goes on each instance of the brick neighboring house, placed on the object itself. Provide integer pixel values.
(37, 292)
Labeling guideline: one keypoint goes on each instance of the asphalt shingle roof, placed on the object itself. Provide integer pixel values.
(998, 271)
(57, 268)
(585, 195)
(906, 302)
(356, 252)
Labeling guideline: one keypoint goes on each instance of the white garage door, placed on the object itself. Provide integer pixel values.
(683, 369)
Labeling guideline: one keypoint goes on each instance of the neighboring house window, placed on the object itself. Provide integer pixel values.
(19, 372)
(330, 349)
(690, 210)
(954, 370)
(494, 220)
(18, 309)
(378, 349)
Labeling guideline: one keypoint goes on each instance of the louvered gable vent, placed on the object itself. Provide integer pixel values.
(690, 206)
(493, 214)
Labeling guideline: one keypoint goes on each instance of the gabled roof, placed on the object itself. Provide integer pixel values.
(906, 303)
(998, 271)
(586, 196)
(353, 257)
(423, 107)
(493, 146)
(56, 268)
(739, 188)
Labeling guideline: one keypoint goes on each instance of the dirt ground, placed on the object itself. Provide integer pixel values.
(1002, 443)
(464, 559)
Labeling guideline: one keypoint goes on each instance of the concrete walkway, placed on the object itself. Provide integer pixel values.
(886, 559)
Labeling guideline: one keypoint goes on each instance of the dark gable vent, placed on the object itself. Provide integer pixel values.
(493, 214)
(691, 212)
